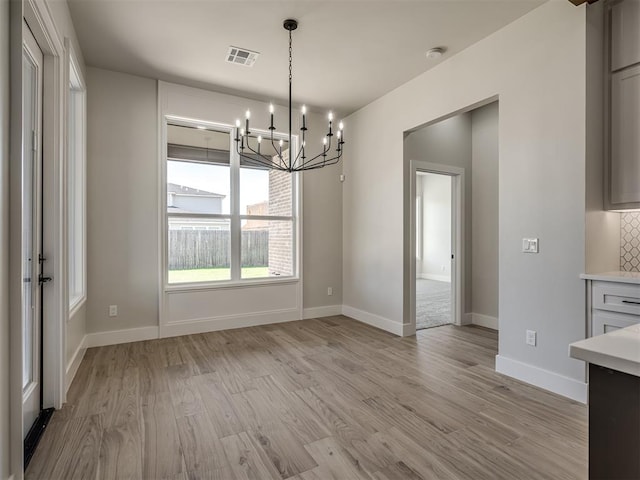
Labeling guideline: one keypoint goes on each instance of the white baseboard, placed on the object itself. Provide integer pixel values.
(202, 325)
(319, 312)
(484, 321)
(554, 382)
(439, 278)
(377, 321)
(115, 337)
(74, 363)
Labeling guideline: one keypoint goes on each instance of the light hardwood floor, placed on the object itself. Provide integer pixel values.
(309, 400)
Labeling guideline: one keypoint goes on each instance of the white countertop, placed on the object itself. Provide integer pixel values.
(623, 277)
(618, 350)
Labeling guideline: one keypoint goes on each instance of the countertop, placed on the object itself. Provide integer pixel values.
(623, 277)
(618, 350)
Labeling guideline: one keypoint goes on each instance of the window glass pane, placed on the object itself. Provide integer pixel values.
(76, 199)
(199, 249)
(198, 178)
(265, 192)
(267, 248)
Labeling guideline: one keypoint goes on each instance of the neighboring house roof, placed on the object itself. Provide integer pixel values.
(182, 190)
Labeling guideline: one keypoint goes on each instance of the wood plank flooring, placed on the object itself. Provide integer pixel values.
(310, 400)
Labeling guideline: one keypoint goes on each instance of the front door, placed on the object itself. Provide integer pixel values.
(32, 65)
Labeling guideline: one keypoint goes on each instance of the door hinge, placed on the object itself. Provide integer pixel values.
(34, 141)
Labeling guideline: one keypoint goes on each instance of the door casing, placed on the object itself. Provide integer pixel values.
(38, 16)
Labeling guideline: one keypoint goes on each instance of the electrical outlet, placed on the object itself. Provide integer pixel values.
(532, 338)
(530, 245)
(113, 310)
(330, 291)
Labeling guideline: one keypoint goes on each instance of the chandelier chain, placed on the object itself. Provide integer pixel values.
(290, 58)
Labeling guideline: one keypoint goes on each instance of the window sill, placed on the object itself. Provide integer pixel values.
(76, 305)
(261, 282)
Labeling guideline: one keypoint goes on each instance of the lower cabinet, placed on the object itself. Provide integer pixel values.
(605, 322)
(614, 424)
(613, 305)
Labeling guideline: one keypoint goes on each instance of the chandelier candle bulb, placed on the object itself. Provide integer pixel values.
(271, 127)
(304, 117)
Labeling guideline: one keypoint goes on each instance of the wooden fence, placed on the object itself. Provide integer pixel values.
(190, 249)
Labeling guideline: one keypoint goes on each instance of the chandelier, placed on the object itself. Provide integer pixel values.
(248, 147)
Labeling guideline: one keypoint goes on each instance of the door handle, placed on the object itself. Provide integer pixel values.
(42, 279)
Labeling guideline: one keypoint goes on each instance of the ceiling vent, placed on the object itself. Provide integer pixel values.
(242, 56)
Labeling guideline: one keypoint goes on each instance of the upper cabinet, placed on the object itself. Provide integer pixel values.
(625, 136)
(622, 179)
(625, 34)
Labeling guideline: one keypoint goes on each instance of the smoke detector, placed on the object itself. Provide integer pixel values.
(435, 53)
(242, 56)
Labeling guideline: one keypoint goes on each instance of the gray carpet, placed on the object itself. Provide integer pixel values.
(433, 303)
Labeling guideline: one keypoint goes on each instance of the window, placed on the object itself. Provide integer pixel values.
(227, 219)
(76, 138)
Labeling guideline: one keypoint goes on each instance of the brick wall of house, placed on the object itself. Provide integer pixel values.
(280, 233)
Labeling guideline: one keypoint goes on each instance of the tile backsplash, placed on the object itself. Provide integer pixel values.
(630, 242)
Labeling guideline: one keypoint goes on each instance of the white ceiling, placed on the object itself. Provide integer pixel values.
(346, 53)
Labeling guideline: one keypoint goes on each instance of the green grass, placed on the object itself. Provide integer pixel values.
(214, 274)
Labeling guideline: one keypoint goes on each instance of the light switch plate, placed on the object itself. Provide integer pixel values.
(531, 338)
(530, 245)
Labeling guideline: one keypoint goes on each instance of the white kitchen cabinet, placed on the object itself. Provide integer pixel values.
(625, 34)
(605, 322)
(625, 140)
(613, 301)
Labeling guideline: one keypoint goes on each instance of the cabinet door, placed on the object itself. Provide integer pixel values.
(625, 34)
(608, 322)
(625, 139)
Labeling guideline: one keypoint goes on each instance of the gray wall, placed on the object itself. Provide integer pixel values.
(122, 203)
(122, 184)
(449, 143)
(484, 199)
(540, 82)
(4, 241)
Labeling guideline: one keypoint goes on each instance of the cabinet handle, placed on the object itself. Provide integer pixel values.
(631, 302)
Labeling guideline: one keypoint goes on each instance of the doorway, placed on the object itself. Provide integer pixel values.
(465, 147)
(437, 243)
(434, 247)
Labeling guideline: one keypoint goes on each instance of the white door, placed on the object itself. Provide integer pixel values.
(32, 65)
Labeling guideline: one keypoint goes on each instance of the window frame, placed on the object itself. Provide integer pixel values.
(234, 216)
(76, 211)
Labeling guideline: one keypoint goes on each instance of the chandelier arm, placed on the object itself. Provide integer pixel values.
(279, 155)
(261, 159)
(324, 154)
(312, 160)
(267, 161)
(323, 162)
